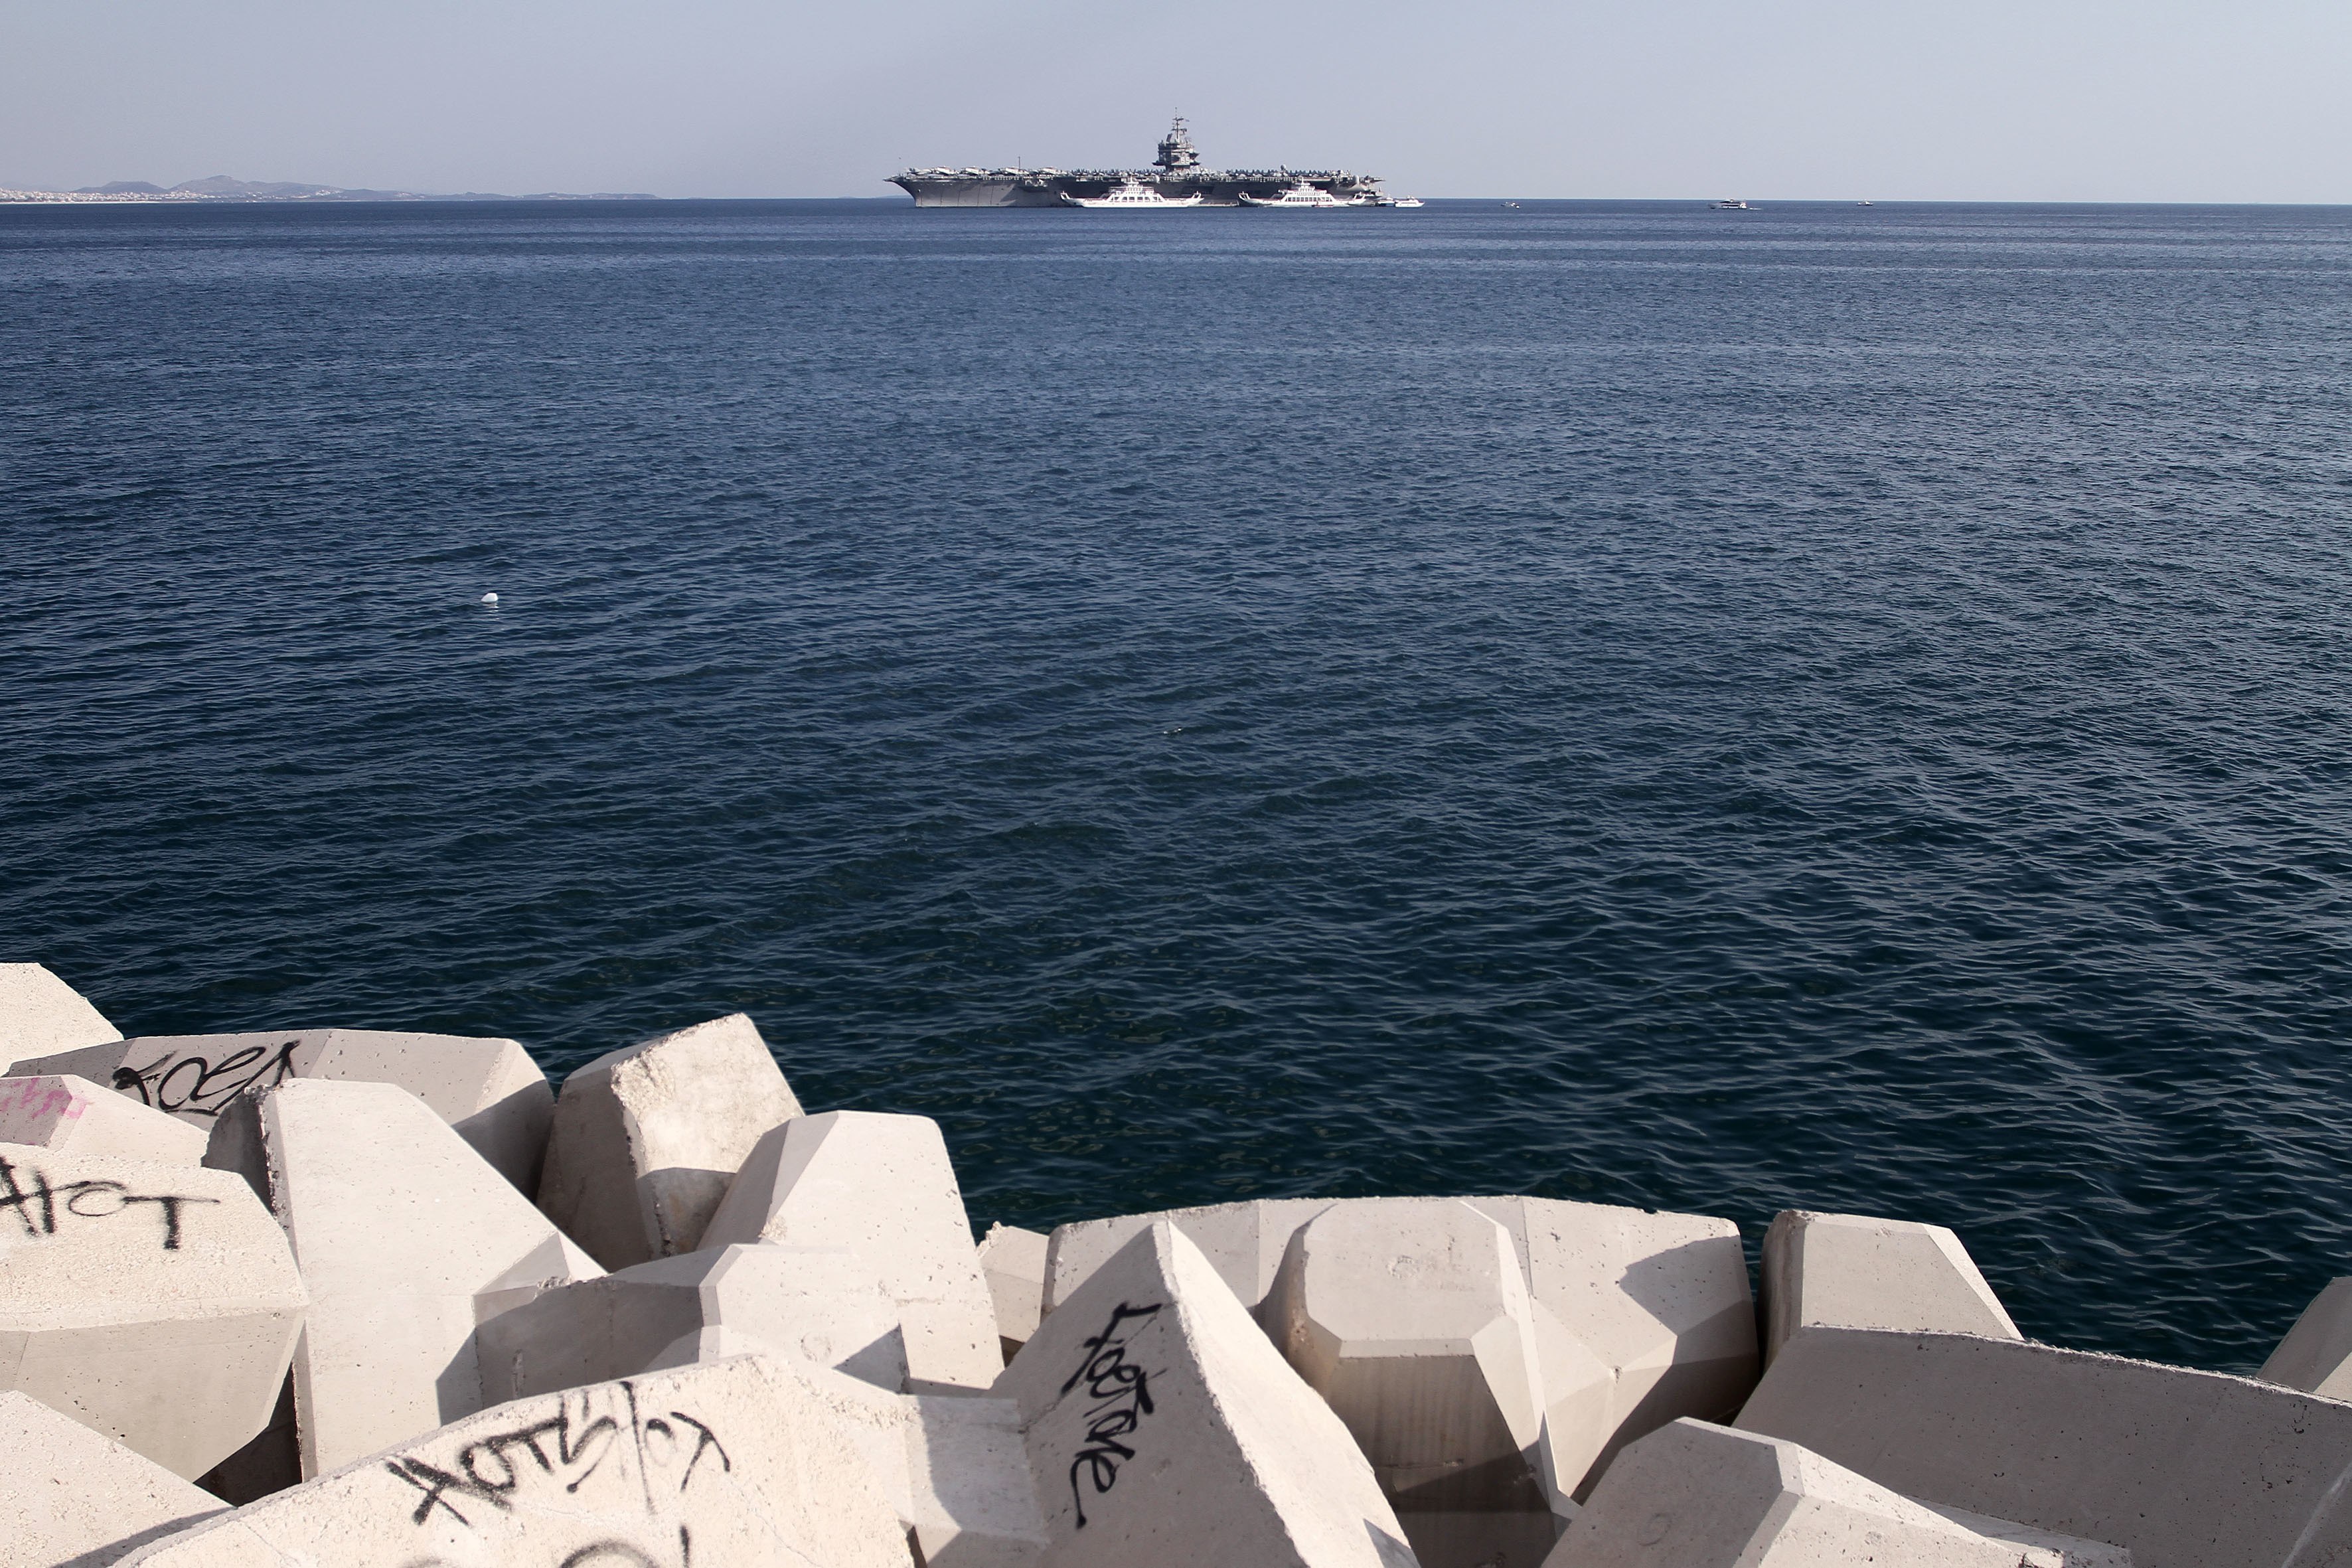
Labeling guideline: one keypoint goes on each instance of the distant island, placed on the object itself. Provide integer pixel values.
(224, 188)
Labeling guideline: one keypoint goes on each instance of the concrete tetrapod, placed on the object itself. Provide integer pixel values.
(726, 1463)
(1851, 1271)
(647, 1139)
(407, 1240)
(74, 1116)
(954, 1466)
(1692, 1495)
(1411, 1320)
(1655, 1305)
(1013, 1261)
(489, 1090)
(75, 1500)
(821, 1304)
(40, 1015)
(882, 1186)
(2182, 1469)
(155, 1304)
(2317, 1354)
(1164, 1429)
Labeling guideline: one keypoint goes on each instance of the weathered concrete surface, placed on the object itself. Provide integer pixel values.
(489, 1090)
(823, 1304)
(736, 1462)
(1243, 1242)
(72, 1498)
(40, 1015)
(953, 1466)
(1164, 1427)
(1660, 1300)
(407, 1240)
(2184, 1469)
(2317, 1354)
(2036, 1548)
(155, 1304)
(883, 1187)
(1854, 1271)
(1411, 1318)
(1692, 1495)
(1013, 1262)
(74, 1116)
(647, 1139)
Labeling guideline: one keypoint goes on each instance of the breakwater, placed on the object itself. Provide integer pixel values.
(391, 1297)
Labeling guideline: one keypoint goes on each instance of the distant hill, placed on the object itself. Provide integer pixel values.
(227, 187)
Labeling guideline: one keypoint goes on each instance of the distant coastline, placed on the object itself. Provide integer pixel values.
(226, 188)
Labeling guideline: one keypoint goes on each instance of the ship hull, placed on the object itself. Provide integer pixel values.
(1219, 189)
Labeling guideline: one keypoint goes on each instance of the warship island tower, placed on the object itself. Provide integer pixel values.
(1175, 173)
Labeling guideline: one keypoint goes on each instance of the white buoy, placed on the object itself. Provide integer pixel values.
(489, 598)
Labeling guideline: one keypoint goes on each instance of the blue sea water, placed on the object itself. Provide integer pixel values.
(1826, 706)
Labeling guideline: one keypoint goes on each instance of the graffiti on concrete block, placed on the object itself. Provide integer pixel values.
(40, 1204)
(558, 1454)
(1122, 1396)
(197, 1085)
(33, 1097)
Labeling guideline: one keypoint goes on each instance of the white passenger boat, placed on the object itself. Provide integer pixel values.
(1297, 199)
(1134, 196)
(1732, 205)
(1406, 202)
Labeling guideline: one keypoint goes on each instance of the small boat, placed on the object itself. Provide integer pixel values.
(1865, 203)
(1732, 205)
(1299, 197)
(1406, 202)
(1134, 196)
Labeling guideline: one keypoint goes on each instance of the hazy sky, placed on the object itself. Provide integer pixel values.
(1991, 100)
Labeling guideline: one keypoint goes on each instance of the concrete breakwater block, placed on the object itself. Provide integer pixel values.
(73, 1499)
(40, 1015)
(1659, 1301)
(733, 1462)
(883, 1187)
(2182, 1469)
(156, 1304)
(1692, 1495)
(489, 1090)
(1013, 1261)
(74, 1116)
(407, 1240)
(821, 1304)
(1164, 1426)
(2317, 1354)
(1851, 1271)
(646, 1139)
(953, 1466)
(1412, 1319)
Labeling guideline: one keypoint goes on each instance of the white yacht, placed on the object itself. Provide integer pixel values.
(1134, 196)
(1406, 202)
(1297, 199)
(1732, 205)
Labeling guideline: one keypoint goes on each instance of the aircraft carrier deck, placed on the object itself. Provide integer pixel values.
(1175, 172)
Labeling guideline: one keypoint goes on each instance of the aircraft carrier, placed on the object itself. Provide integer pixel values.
(1175, 172)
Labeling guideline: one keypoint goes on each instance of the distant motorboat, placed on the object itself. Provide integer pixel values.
(1134, 196)
(1407, 202)
(1865, 203)
(1299, 197)
(1732, 205)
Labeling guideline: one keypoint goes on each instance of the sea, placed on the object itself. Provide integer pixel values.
(1835, 707)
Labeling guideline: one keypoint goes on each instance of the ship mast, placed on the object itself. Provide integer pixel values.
(1176, 154)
